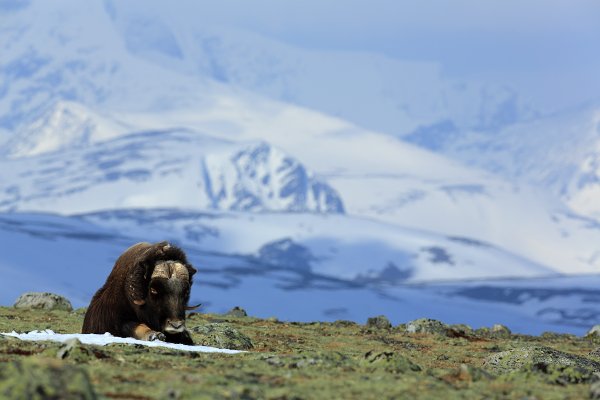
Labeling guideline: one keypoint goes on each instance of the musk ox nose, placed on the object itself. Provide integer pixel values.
(174, 325)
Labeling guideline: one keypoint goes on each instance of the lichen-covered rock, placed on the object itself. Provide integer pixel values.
(389, 361)
(222, 336)
(499, 330)
(459, 330)
(496, 331)
(379, 322)
(237, 312)
(74, 350)
(560, 367)
(463, 328)
(593, 332)
(426, 325)
(44, 379)
(44, 301)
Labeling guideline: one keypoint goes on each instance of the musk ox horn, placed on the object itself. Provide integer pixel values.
(191, 308)
(170, 269)
(162, 270)
(181, 272)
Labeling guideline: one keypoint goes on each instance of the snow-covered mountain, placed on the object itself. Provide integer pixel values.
(244, 166)
(104, 53)
(560, 153)
(164, 169)
(261, 177)
(61, 126)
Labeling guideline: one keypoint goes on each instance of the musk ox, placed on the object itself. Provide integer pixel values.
(145, 296)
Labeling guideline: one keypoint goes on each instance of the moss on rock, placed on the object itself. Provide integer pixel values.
(44, 379)
(561, 367)
(426, 325)
(222, 336)
(43, 301)
(74, 350)
(379, 322)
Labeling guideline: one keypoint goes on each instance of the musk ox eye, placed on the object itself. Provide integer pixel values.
(153, 291)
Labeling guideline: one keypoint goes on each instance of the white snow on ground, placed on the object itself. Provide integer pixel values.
(107, 338)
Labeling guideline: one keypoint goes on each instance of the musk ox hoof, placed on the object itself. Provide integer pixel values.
(152, 336)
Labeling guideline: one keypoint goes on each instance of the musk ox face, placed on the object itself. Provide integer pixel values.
(167, 297)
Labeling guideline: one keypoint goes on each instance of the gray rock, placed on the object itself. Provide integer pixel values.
(379, 322)
(43, 301)
(222, 336)
(496, 331)
(561, 367)
(593, 332)
(237, 312)
(426, 325)
(500, 330)
(74, 350)
(44, 379)
(459, 330)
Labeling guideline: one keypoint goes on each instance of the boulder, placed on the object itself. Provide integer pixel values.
(379, 322)
(594, 332)
(74, 350)
(43, 301)
(44, 379)
(426, 325)
(500, 330)
(237, 312)
(221, 336)
(561, 367)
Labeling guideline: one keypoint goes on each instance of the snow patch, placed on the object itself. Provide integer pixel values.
(107, 338)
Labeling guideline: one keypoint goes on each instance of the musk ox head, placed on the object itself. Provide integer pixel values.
(159, 287)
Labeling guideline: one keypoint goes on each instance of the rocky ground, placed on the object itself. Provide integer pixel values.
(287, 360)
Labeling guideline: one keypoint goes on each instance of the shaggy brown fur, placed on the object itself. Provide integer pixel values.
(124, 307)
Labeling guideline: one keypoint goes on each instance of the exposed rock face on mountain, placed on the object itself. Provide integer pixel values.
(259, 177)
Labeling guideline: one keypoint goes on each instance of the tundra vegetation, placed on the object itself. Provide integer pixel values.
(290, 360)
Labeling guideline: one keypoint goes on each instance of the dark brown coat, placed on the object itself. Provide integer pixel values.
(124, 307)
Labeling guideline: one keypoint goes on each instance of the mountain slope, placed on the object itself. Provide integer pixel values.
(104, 54)
(164, 169)
(560, 153)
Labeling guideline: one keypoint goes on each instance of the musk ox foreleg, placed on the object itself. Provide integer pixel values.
(142, 332)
